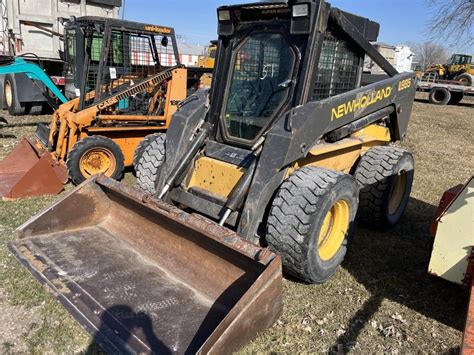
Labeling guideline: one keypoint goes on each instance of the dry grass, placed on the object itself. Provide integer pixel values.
(381, 300)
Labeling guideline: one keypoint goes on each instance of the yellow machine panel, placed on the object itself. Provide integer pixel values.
(454, 237)
(343, 155)
(215, 176)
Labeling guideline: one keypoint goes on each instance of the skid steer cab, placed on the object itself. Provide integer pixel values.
(271, 166)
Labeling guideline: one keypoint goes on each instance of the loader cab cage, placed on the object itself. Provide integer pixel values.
(460, 59)
(280, 55)
(115, 54)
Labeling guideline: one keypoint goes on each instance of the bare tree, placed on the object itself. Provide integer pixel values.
(429, 53)
(452, 21)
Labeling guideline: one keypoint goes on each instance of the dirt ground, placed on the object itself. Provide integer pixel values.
(380, 300)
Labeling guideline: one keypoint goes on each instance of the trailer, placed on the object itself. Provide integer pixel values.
(443, 92)
(452, 257)
(32, 30)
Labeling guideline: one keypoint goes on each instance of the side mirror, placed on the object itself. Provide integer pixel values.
(164, 41)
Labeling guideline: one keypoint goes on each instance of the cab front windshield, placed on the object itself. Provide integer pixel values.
(460, 59)
(261, 78)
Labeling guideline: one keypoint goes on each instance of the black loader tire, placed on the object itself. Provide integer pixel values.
(149, 164)
(10, 100)
(297, 217)
(456, 97)
(439, 96)
(385, 176)
(466, 79)
(100, 146)
(141, 148)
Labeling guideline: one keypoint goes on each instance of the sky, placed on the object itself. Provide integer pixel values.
(401, 21)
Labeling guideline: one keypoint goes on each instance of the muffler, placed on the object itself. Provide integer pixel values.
(144, 276)
(29, 170)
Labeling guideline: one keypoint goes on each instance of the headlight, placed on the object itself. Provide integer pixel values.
(300, 10)
(224, 15)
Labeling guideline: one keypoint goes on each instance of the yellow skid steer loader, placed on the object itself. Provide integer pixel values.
(269, 169)
(128, 80)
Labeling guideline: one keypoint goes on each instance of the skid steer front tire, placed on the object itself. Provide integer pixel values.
(385, 175)
(92, 156)
(311, 220)
(149, 163)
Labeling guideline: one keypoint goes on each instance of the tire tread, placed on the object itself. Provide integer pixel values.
(290, 218)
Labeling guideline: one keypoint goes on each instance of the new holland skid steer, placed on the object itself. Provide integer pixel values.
(124, 80)
(271, 167)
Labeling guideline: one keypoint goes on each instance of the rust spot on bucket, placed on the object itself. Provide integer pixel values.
(37, 264)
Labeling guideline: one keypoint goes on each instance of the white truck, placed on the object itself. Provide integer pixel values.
(33, 29)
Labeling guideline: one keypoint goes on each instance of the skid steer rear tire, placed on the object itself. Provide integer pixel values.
(149, 164)
(385, 175)
(94, 155)
(311, 220)
(439, 96)
(141, 148)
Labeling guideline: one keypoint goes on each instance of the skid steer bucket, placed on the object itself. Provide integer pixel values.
(144, 276)
(29, 170)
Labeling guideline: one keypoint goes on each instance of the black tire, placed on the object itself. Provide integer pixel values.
(149, 164)
(466, 79)
(141, 148)
(14, 107)
(439, 96)
(456, 97)
(385, 175)
(296, 218)
(35, 108)
(94, 144)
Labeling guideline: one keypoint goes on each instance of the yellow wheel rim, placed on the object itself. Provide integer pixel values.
(333, 230)
(8, 94)
(397, 192)
(96, 161)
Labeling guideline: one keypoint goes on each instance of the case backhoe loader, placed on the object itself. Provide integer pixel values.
(272, 166)
(124, 81)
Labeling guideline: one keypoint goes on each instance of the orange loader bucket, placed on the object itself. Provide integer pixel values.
(29, 170)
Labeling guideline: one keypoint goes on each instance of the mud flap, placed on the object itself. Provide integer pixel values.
(143, 276)
(29, 170)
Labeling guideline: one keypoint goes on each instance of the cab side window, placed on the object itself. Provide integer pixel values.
(338, 68)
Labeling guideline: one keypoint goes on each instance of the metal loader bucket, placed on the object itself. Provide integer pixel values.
(29, 170)
(144, 276)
